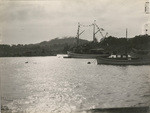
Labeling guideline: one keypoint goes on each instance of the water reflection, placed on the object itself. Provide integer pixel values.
(51, 84)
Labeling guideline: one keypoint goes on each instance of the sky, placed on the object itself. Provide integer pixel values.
(33, 21)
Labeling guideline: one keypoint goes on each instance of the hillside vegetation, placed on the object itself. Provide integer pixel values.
(116, 45)
(45, 48)
(58, 46)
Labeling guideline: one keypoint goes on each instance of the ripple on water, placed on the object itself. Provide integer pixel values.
(64, 85)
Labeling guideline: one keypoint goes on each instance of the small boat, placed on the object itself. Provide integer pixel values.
(89, 63)
(134, 59)
(123, 61)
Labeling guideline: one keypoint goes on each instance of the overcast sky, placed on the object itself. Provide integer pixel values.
(26, 21)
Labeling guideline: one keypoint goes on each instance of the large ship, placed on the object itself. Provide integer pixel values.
(94, 53)
(91, 53)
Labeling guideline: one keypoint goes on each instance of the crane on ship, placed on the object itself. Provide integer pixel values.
(95, 31)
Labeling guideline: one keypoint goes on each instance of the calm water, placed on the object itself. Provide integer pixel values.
(53, 84)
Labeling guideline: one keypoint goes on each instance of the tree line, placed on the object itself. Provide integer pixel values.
(45, 48)
(116, 45)
(58, 46)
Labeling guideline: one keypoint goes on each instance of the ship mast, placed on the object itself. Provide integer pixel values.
(94, 31)
(78, 33)
(126, 33)
(126, 43)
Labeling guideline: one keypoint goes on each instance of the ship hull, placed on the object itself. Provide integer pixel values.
(114, 61)
(89, 56)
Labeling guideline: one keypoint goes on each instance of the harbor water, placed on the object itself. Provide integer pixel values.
(54, 84)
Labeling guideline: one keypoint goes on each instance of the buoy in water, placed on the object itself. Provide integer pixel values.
(89, 63)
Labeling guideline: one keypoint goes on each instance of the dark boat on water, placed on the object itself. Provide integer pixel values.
(137, 57)
(123, 61)
(94, 53)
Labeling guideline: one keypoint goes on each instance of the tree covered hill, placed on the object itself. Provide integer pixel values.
(117, 45)
(45, 48)
(64, 40)
(58, 46)
(121, 45)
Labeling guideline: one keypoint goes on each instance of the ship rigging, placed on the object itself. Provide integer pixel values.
(95, 31)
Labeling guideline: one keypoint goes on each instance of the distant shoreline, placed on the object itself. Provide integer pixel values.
(27, 56)
(61, 46)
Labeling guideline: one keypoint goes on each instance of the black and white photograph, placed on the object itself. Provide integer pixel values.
(74, 56)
